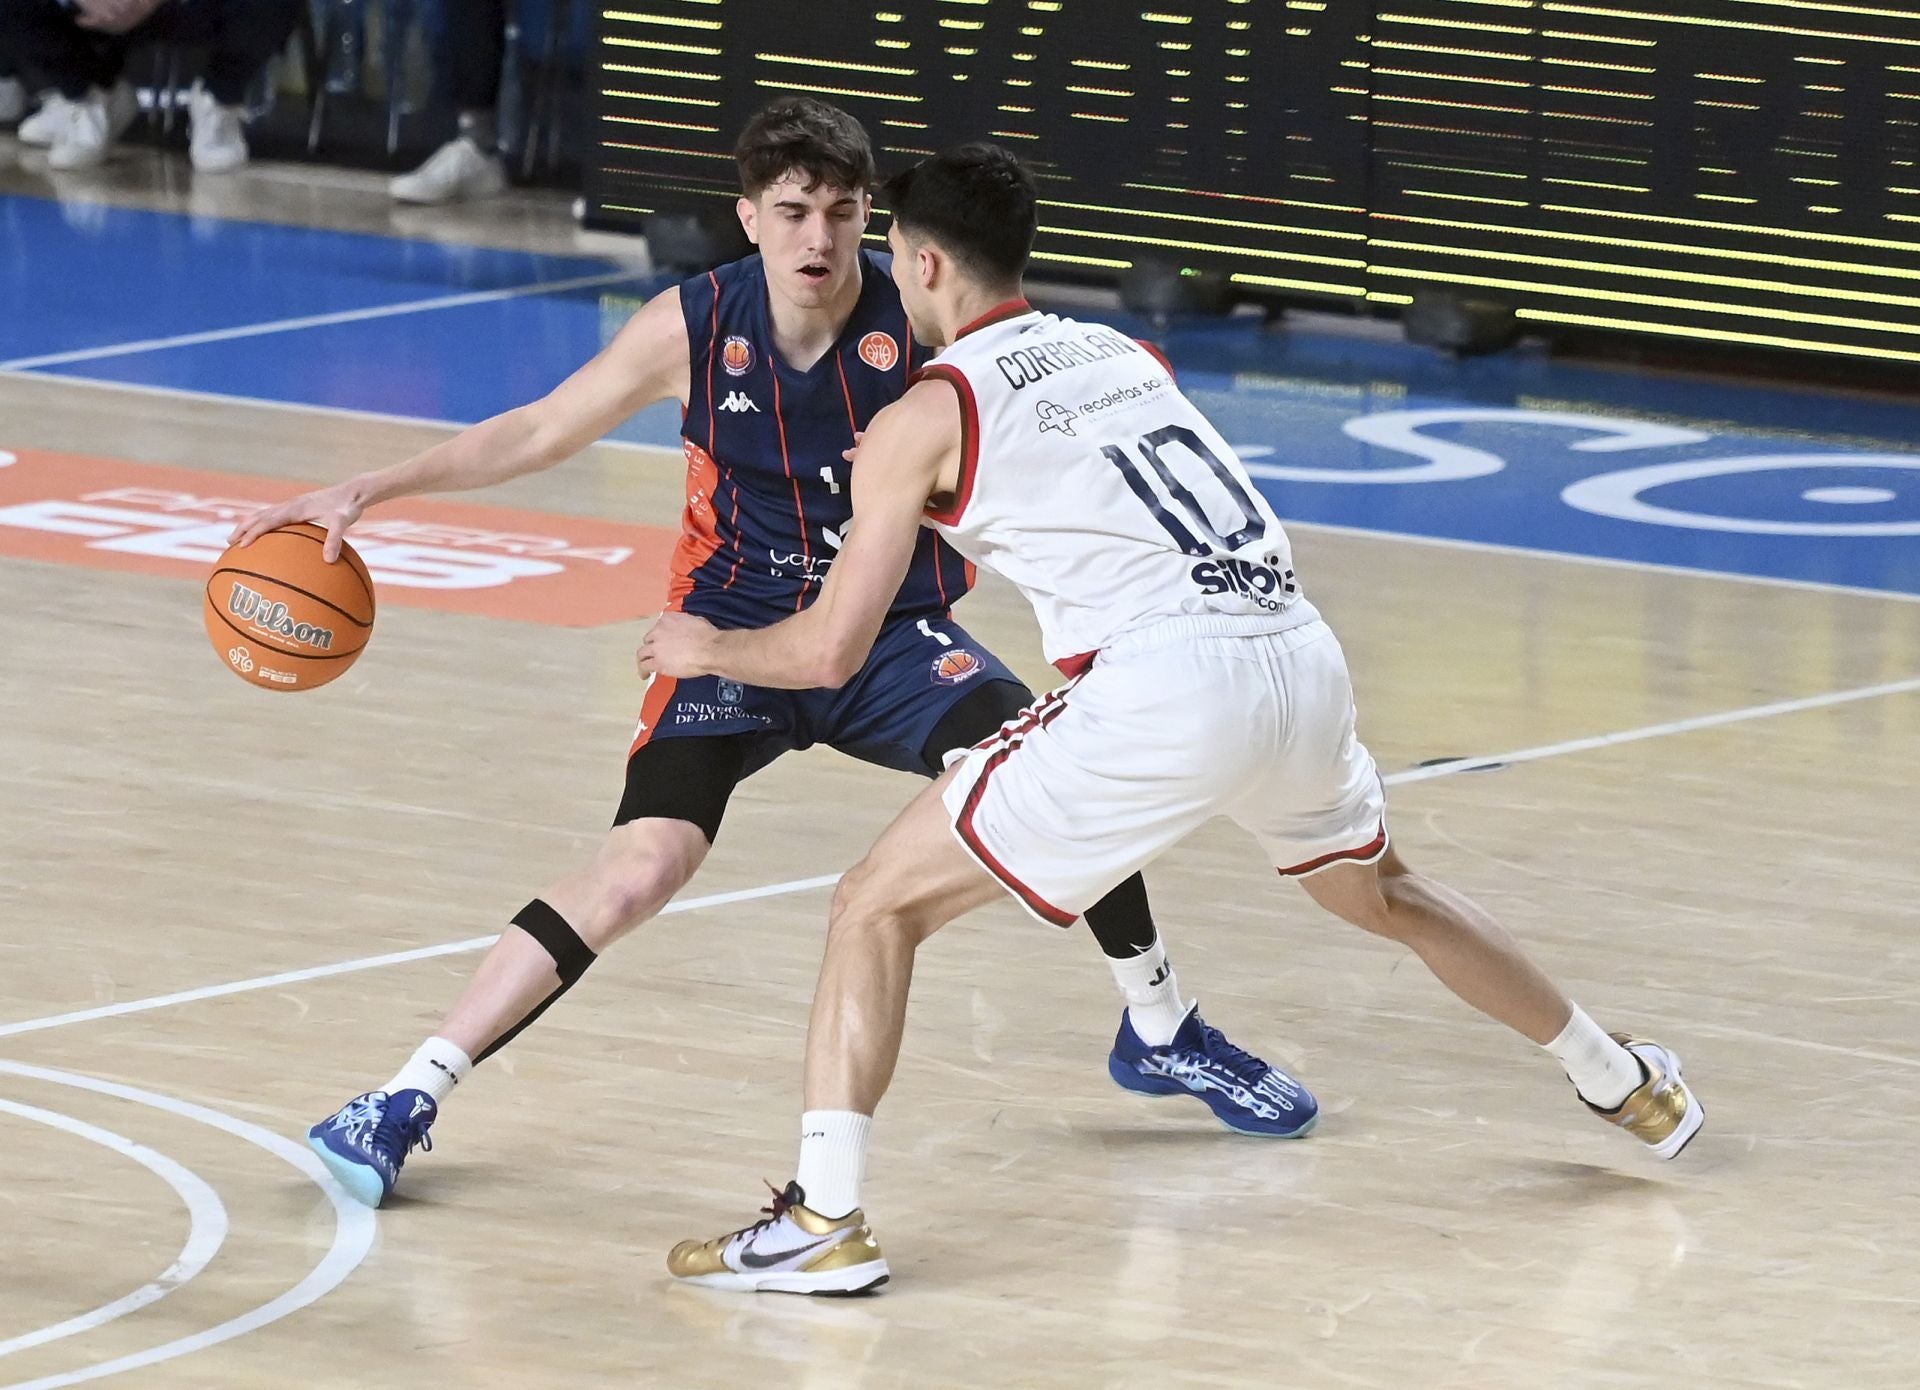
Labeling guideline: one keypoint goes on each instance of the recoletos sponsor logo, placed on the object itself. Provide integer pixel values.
(1054, 416)
(1121, 395)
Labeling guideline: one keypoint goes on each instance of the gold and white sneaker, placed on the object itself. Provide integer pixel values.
(794, 1250)
(1662, 1114)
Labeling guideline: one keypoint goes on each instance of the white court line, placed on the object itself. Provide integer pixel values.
(1865, 1054)
(206, 1227)
(451, 948)
(353, 1229)
(1678, 726)
(1418, 774)
(381, 417)
(673, 456)
(1602, 561)
(258, 330)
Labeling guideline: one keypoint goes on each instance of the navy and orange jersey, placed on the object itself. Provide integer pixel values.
(768, 494)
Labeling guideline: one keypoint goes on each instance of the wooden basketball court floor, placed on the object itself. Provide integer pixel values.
(199, 882)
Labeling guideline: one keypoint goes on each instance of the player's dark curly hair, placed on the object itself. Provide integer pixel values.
(977, 203)
(802, 135)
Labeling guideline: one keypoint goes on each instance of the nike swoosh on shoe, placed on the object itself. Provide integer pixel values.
(751, 1259)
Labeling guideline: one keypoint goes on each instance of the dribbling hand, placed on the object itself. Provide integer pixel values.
(335, 508)
(675, 646)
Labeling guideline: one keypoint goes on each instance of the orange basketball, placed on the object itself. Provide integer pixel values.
(282, 617)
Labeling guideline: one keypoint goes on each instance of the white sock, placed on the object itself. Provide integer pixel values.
(833, 1159)
(1604, 1072)
(436, 1068)
(1154, 1005)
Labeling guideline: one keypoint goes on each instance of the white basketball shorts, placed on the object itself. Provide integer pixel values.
(1170, 727)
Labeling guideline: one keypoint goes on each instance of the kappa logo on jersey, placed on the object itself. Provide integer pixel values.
(957, 666)
(879, 351)
(1054, 416)
(736, 355)
(739, 402)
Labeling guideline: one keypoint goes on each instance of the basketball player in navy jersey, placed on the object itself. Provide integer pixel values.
(1203, 683)
(780, 361)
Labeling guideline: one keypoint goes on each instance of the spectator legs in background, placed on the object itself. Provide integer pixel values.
(469, 165)
(241, 37)
(13, 92)
(90, 106)
(87, 106)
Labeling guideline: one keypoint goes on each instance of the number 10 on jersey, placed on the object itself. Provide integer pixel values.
(1202, 537)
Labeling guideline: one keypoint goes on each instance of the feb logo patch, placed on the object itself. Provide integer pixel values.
(736, 355)
(954, 667)
(879, 351)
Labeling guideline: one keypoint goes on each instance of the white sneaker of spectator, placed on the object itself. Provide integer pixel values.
(458, 169)
(218, 144)
(13, 100)
(78, 133)
(44, 125)
(91, 126)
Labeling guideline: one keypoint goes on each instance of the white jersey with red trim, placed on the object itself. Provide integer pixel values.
(1099, 490)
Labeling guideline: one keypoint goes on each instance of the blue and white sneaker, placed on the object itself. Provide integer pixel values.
(1244, 1093)
(364, 1143)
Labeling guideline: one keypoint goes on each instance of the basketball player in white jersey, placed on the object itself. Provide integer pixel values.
(1201, 683)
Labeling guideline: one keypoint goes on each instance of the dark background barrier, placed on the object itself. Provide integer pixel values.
(1744, 172)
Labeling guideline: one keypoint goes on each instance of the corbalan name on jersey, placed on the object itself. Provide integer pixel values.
(1023, 366)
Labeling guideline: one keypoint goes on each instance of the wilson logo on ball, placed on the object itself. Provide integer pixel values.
(253, 608)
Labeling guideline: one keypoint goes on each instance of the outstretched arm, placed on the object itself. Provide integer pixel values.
(646, 362)
(906, 451)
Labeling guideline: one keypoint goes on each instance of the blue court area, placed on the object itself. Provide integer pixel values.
(1515, 450)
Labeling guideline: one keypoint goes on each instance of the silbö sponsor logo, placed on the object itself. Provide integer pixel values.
(1268, 586)
(252, 608)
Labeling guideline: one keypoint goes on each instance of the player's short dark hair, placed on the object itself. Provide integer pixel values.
(977, 202)
(808, 137)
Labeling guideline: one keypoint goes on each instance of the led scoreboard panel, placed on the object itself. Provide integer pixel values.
(1743, 171)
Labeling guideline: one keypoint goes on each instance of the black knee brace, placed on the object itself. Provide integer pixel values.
(571, 955)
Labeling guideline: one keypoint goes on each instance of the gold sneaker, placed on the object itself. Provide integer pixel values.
(794, 1250)
(1662, 1114)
